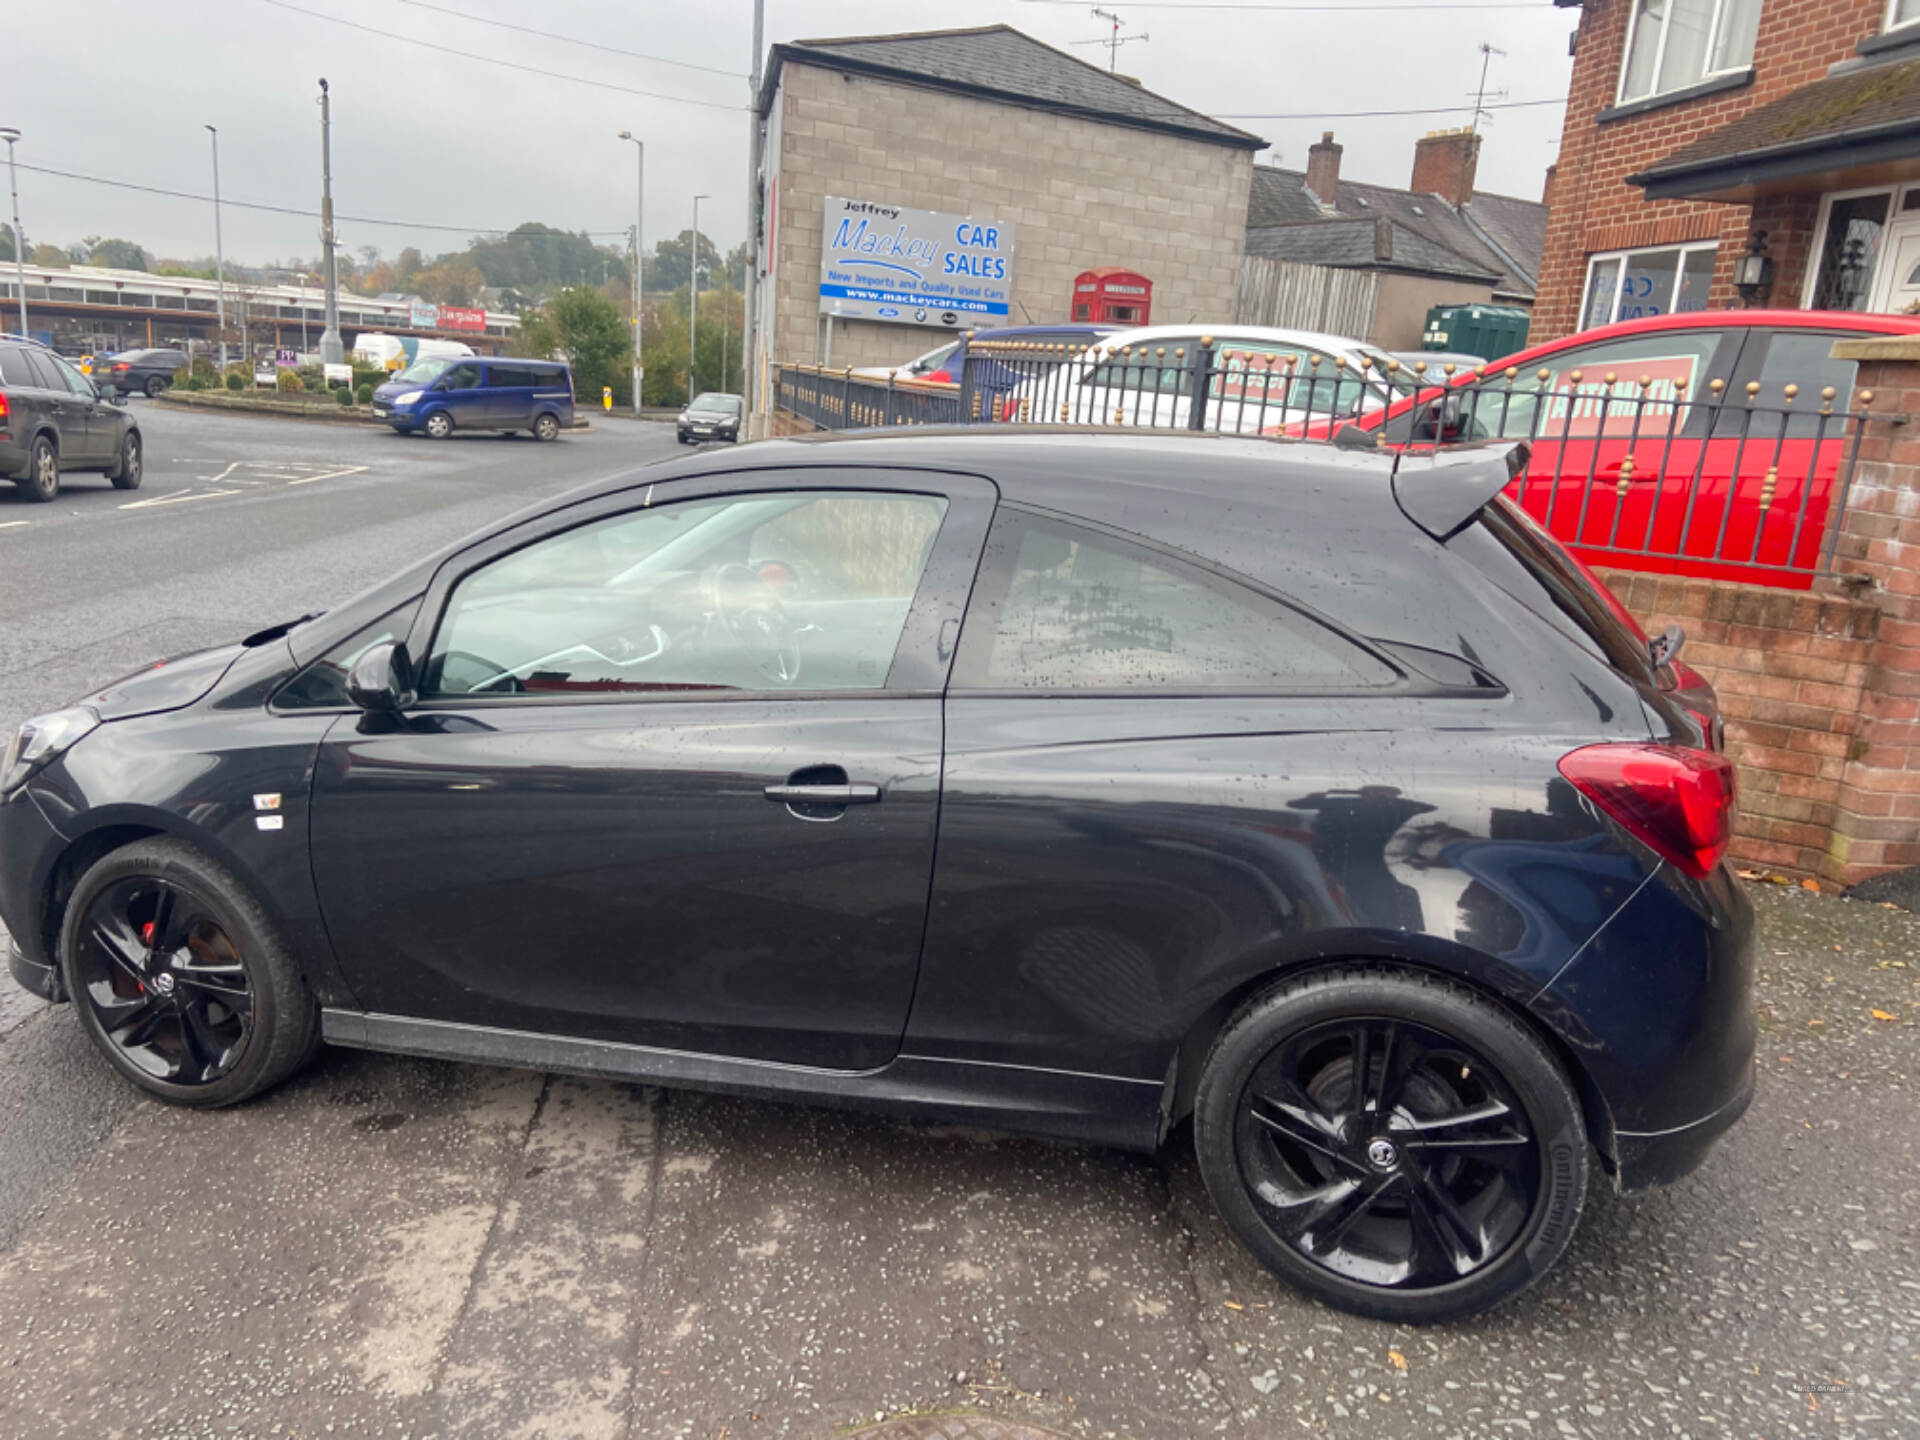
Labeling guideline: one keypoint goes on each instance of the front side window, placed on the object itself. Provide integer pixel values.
(1676, 43)
(1636, 284)
(73, 379)
(1674, 363)
(797, 590)
(461, 377)
(1059, 607)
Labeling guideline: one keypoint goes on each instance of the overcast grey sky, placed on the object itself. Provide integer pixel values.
(422, 136)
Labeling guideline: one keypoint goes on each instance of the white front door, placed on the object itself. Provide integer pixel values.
(1897, 286)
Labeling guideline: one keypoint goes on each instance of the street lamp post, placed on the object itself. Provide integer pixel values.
(331, 350)
(755, 223)
(693, 290)
(639, 219)
(9, 134)
(219, 247)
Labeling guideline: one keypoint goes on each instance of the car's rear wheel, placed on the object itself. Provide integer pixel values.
(42, 480)
(127, 471)
(1393, 1144)
(545, 427)
(180, 980)
(439, 425)
(155, 384)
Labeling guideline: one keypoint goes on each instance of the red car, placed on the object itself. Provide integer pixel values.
(1730, 480)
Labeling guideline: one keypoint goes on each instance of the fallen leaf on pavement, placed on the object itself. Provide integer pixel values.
(1884, 1015)
(1749, 874)
(1233, 1305)
(1813, 885)
(1399, 1360)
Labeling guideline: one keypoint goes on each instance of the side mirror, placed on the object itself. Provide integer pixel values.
(108, 391)
(1440, 418)
(381, 681)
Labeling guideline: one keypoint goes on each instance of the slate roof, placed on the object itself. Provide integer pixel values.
(1500, 235)
(999, 62)
(1838, 111)
(1379, 244)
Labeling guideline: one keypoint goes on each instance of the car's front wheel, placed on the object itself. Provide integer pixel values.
(439, 425)
(1391, 1143)
(180, 979)
(126, 472)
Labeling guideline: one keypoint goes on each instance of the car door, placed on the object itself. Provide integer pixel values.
(462, 390)
(509, 392)
(673, 775)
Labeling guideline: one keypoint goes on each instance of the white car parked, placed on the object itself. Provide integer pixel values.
(1264, 379)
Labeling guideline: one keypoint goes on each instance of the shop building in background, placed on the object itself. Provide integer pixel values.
(918, 184)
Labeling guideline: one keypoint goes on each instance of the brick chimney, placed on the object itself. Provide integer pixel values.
(1443, 165)
(1546, 186)
(1323, 170)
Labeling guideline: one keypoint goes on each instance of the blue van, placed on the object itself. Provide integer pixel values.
(478, 392)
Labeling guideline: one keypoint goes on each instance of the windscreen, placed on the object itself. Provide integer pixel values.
(423, 371)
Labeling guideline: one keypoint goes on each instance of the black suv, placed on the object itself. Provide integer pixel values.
(53, 418)
(148, 371)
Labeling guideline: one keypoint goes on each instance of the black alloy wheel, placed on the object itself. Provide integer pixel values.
(154, 386)
(42, 482)
(164, 981)
(127, 472)
(179, 978)
(546, 427)
(1394, 1144)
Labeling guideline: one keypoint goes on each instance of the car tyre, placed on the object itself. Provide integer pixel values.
(42, 480)
(128, 470)
(439, 425)
(546, 427)
(232, 1017)
(155, 384)
(1363, 1200)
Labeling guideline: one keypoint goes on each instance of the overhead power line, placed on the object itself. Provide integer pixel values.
(1368, 114)
(736, 105)
(228, 202)
(570, 40)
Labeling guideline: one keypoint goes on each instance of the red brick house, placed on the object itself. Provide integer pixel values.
(1695, 125)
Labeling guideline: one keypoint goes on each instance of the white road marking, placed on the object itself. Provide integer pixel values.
(329, 475)
(177, 499)
(232, 466)
(13, 524)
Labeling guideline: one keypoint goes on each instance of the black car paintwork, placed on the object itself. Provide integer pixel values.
(1110, 872)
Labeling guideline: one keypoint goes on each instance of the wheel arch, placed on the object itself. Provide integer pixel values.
(1190, 1058)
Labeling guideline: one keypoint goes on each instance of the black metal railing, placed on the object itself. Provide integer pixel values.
(1647, 470)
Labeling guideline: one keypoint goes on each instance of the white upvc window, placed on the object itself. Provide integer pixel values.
(1902, 12)
(1672, 44)
(1634, 284)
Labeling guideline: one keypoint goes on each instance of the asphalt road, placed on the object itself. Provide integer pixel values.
(398, 1247)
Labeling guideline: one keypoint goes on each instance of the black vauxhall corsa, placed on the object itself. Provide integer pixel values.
(1073, 782)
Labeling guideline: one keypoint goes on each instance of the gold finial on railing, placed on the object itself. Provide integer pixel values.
(1680, 384)
(1181, 353)
(1768, 485)
(1119, 415)
(1026, 410)
(1753, 391)
(1313, 360)
(1063, 412)
(1716, 385)
(1626, 478)
(1161, 353)
(1646, 382)
(1340, 363)
(1866, 398)
(1420, 368)
(1609, 379)
(1393, 366)
(1206, 339)
(1826, 400)
(1543, 374)
(1448, 369)
(1791, 391)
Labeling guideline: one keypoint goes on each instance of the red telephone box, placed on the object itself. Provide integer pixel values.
(1112, 297)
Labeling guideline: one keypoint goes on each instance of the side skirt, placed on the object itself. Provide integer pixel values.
(1061, 1104)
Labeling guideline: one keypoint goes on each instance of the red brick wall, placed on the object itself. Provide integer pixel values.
(1792, 671)
(1594, 209)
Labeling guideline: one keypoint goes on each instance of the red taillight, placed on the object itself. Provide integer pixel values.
(1680, 802)
(122, 365)
(3, 412)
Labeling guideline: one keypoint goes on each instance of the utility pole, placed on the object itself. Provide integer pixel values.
(219, 247)
(9, 134)
(639, 220)
(693, 290)
(1487, 52)
(331, 350)
(748, 376)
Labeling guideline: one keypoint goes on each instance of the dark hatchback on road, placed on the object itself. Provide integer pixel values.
(147, 371)
(54, 420)
(1075, 782)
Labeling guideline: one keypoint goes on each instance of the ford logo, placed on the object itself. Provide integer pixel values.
(887, 312)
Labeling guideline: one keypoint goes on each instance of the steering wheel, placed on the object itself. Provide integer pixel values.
(461, 672)
(750, 611)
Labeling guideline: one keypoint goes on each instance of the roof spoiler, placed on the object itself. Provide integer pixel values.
(1443, 492)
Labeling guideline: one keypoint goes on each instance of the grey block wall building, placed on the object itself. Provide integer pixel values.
(1089, 168)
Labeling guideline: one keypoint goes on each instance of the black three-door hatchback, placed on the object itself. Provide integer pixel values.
(1071, 782)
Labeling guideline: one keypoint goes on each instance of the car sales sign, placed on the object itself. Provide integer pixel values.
(914, 267)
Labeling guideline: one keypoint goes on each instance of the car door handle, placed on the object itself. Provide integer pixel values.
(824, 794)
